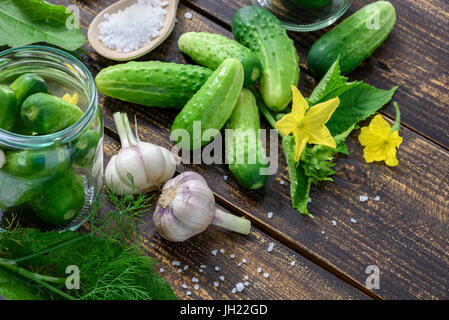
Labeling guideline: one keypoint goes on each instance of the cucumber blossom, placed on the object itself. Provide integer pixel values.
(259, 30)
(45, 114)
(353, 40)
(210, 50)
(152, 83)
(244, 152)
(8, 108)
(211, 106)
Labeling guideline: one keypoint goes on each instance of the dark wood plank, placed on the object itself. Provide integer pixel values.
(406, 239)
(413, 57)
(304, 280)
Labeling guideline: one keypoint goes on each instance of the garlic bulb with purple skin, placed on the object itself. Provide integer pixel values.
(187, 207)
(139, 166)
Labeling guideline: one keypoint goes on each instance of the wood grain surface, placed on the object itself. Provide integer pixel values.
(405, 233)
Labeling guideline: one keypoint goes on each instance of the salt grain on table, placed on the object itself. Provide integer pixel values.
(216, 284)
(334, 222)
(176, 263)
(232, 256)
(353, 220)
(194, 279)
(214, 252)
(200, 270)
(363, 198)
(270, 215)
(188, 293)
(246, 277)
(217, 269)
(134, 27)
(184, 286)
(270, 247)
(259, 270)
(161, 270)
(222, 250)
(239, 286)
(202, 266)
(234, 290)
(188, 15)
(186, 267)
(222, 278)
(246, 283)
(377, 198)
(266, 275)
(196, 287)
(293, 263)
(244, 260)
(179, 270)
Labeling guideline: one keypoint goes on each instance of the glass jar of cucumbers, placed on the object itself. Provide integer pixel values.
(51, 139)
(306, 15)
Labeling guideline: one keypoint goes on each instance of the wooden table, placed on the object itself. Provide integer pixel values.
(405, 234)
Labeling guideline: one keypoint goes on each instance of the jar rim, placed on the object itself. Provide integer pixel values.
(10, 139)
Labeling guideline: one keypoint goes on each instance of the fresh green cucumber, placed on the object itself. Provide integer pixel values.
(8, 108)
(27, 85)
(45, 114)
(211, 106)
(244, 152)
(24, 86)
(260, 31)
(311, 4)
(210, 50)
(353, 40)
(38, 163)
(152, 83)
(84, 148)
(61, 203)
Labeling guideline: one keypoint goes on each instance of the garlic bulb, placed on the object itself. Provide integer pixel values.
(187, 207)
(139, 167)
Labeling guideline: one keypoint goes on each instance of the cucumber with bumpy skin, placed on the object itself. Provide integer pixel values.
(210, 107)
(210, 50)
(8, 108)
(244, 152)
(260, 31)
(84, 148)
(152, 83)
(45, 114)
(353, 40)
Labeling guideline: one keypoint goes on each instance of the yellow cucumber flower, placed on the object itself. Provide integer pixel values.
(380, 140)
(308, 125)
(72, 99)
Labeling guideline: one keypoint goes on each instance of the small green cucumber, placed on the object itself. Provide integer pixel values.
(260, 31)
(152, 83)
(8, 108)
(24, 86)
(311, 4)
(84, 148)
(210, 50)
(27, 85)
(37, 163)
(353, 40)
(45, 114)
(244, 152)
(61, 203)
(211, 106)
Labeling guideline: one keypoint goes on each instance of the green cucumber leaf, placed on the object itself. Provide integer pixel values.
(24, 22)
(357, 104)
(299, 182)
(331, 86)
(317, 160)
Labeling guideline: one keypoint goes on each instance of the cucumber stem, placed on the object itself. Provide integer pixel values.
(231, 222)
(397, 122)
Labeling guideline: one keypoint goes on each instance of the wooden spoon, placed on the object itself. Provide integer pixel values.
(100, 48)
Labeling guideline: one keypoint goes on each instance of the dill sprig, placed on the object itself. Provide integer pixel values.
(108, 256)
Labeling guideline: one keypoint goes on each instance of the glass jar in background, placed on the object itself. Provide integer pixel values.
(305, 15)
(52, 181)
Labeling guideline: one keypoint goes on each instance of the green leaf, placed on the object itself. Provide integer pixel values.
(24, 22)
(331, 86)
(317, 160)
(356, 105)
(299, 182)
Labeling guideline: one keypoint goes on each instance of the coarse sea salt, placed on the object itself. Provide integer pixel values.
(270, 215)
(270, 247)
(363, 198)
(239, 286)
(134, 27)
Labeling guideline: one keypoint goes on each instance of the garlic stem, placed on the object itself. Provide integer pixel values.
(131, 137)
(2, 159)
(124, 140)
(231, 222)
